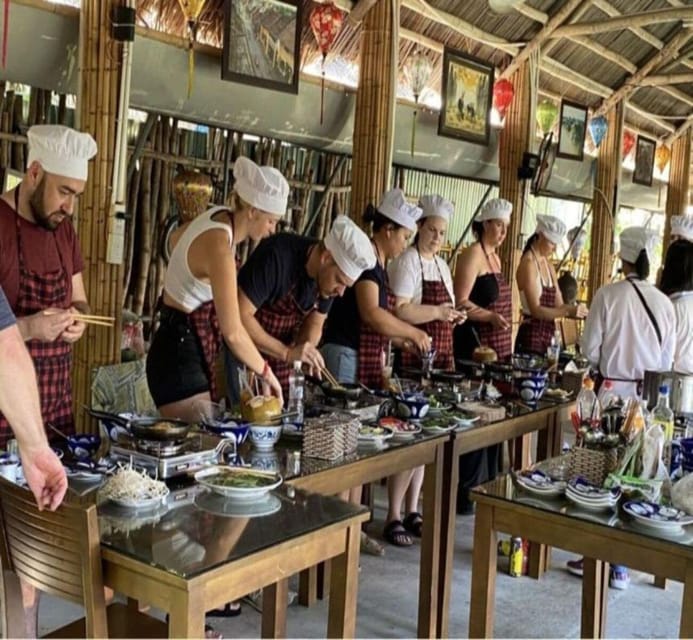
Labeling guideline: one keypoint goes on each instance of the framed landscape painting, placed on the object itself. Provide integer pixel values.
(644, 161)
(262, 40)
(467, 94)
(571, 131)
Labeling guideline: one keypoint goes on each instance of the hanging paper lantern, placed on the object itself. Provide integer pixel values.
(417, 71)
(547, 112)
(628, 142)
(503, 92)
(192, 192)
(191, 10)
(662, 156)
(597, 126)
(325, 21)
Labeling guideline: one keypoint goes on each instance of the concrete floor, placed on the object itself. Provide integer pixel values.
(387, 600)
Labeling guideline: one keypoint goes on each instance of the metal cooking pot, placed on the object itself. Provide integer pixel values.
(680, 390)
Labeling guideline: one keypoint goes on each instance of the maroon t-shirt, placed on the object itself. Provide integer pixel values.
(40, 250)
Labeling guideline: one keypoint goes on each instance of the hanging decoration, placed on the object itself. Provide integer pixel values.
(503, 92)
(417, 71)
(547, 113)
(5, 30)
(628, 142)
(191, 10)
(597, 127)
(325, 21)
(662, 157)
(192, 192)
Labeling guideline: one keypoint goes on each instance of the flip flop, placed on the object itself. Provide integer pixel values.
(211, 633)
(395, 533)
(228, 611)
(413, 523)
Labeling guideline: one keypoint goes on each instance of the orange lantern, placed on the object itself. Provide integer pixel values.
(191, 10)
(662, 157)
(628, 142)
(325, 21)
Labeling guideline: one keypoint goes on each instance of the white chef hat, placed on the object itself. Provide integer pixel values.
(350, 247)
(262, 187)
(495, 209)
(61, 150)
(682, 226)
(551, 228)
(633, 240)
(435, 205)
(395, 206)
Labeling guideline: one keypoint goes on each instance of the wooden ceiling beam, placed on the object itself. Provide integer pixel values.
(604, 52)
(422, 40)
(359, 10)
(669, 78)
(681, 130)
(547, 32)
(678, 94)
(566, 74)
(670, 50)
(532, 13)
(652, 117)
(673, 14)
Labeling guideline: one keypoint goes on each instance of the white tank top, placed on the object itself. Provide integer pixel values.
(179, 282)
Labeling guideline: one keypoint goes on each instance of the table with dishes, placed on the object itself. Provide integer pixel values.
(588, 520)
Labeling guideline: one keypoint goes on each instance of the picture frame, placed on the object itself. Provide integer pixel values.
(10, 178)
(644, 160)
(262, 43)
(467, 94)
(572, 127)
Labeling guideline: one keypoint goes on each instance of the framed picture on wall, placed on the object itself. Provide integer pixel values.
(262, 42)
(571, 131)
(467, 94)
(9, 179)
(644, 161)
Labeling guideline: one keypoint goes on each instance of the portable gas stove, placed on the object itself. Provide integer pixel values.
(168, 459)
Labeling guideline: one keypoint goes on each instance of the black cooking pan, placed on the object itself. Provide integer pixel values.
(149, 428)
(345, 391)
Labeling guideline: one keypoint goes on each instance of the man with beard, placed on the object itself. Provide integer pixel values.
(41, 264)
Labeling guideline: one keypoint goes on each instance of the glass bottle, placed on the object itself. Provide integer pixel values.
(297, 382)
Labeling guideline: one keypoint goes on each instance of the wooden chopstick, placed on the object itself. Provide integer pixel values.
(330, 378)
(97, 323)
(84, 316)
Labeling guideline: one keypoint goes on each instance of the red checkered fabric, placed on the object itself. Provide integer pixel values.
(499, 340)
(52, 360)
(205, 324)
(372, 347)
(535, 335)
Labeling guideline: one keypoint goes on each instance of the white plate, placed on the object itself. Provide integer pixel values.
(143, 503)
(538, 483)
(246, 494)
(583, 489)
(376, 437)
(589, 506)
(399, 435)
(656, 517)
(465, 421)
(222, 506)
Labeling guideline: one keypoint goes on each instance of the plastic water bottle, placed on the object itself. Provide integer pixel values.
(297, 383)
(588, 408)
(662, 413)
(609, 398)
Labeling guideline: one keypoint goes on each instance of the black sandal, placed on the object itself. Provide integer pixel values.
(395, 533)
(413, 523)
(227, 611)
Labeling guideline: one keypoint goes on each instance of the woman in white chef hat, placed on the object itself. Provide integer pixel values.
(542, 302)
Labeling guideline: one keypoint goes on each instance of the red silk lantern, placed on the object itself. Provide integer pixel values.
(628, 142)
(662, 156)
(325, 21)
(503, 92)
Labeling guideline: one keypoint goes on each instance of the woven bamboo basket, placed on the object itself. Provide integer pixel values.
(592, 464)
(330, 437)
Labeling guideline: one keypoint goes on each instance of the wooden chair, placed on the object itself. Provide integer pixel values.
(59, 553)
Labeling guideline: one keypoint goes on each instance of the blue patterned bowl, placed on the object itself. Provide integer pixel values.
(231, 428)
(412, 405)
(264, 437)
(83, 445)
(530, 386)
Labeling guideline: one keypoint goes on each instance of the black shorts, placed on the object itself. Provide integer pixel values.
(176, 367)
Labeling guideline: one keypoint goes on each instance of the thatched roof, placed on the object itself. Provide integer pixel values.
(586, 68)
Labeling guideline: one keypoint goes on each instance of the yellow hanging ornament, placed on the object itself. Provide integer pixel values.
(191, 10)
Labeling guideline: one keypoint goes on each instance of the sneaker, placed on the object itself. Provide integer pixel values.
(575, 567)
(619, 578)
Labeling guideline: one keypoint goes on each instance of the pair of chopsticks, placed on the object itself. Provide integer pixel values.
(330, 378)
(101, 321)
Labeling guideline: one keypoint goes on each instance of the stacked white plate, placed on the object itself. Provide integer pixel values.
(656, 518)
(538, 483)
(591, 497)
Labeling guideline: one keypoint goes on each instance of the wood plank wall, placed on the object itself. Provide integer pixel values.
(679, 182)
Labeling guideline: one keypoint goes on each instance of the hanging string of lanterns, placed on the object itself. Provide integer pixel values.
(662, 157)
(597, 128)
(325, 22)
(547, 114)
(503, 93)
(191, 10)
(417, 71)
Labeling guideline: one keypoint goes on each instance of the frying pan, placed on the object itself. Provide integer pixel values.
(149, 428)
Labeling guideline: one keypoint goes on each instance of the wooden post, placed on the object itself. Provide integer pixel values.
(605, 201)
(514, 141)
(99, 88)
(679, 182)
(374, 113)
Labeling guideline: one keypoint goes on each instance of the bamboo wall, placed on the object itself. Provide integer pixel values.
(679, 182)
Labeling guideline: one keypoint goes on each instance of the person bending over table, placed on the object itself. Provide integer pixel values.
(199, 307)
(360, 325)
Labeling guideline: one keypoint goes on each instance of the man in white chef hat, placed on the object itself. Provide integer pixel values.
(681, 228)
(286, 287)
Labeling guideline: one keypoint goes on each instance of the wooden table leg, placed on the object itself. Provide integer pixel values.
(595, 586)
(308, 587)
(686, 627)
(523, 452)
(660, 582)
(13, 611)
(323, 586)
(430, 563)
(539, 559)
(341, 619)
(274, 602)
(186, 619)
(451, 473)
(484, 559)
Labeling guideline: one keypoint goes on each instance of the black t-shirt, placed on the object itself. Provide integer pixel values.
(278, 265)
(343, 324)
(6, 315)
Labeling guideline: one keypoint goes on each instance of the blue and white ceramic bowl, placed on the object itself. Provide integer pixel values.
(83, 445)
(530, 386)
(264, 437)
(230, 428)
(265, 461)
(412, 405)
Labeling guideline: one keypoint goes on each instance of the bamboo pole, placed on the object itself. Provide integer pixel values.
(679, 182)
(646, 18)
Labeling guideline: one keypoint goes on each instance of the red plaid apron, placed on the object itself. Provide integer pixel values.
(52, 360)
(372, 346)
(535, 335)
(498, 339)
(205, 324)
(282, 320)
(435, 293)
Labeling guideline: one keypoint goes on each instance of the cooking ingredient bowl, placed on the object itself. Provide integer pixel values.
(530, 385)
(83, 445)
(412, 405)
(265, 436)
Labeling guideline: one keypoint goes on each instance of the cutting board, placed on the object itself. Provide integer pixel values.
(485, 412)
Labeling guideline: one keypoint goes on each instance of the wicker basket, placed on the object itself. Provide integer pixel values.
(592, 464)
(330, 436)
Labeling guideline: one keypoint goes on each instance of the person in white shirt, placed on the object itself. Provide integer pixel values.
(677, 283)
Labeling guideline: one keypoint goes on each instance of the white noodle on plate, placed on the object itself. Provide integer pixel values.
(130, 487)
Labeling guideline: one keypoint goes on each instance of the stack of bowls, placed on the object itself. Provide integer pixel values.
(530, 383)
(591, 497)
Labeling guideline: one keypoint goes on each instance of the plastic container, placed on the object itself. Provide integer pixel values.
(608, 398)
(297, 383)
(588, 407)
